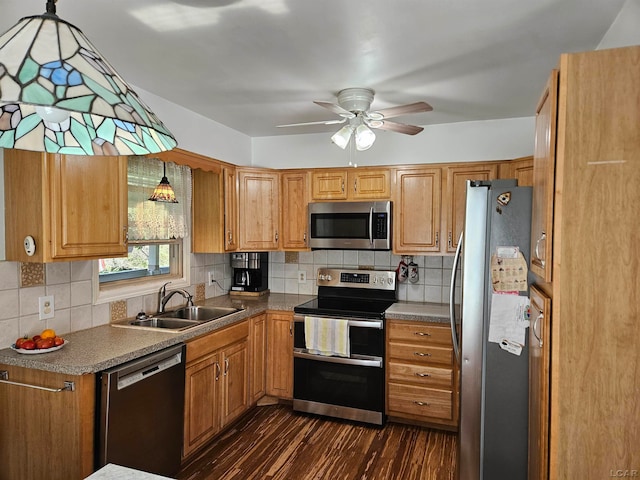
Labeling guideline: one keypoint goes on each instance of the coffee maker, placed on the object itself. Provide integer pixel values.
(250, 271)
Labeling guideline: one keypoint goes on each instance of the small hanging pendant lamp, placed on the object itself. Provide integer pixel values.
(164, 191)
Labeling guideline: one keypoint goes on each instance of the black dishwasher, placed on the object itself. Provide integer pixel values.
(140, 413)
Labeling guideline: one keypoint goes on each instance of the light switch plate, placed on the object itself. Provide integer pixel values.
(46, 307)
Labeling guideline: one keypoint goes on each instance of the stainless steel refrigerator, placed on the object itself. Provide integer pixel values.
(493, 431)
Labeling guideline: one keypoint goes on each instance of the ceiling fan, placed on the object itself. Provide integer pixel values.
(354, 107)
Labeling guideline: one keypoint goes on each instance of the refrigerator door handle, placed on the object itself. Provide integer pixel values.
(452, 308)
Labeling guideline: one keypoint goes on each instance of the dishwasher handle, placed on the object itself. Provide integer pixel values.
(147, 371)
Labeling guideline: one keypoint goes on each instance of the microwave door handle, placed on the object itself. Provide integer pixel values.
(452, 309)
(371, 225)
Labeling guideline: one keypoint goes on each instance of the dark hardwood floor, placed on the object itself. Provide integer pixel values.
(275, 443)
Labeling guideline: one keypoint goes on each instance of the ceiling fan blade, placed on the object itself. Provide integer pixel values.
(322, 122)
(404, 109)
(337, 109)
(397, 127)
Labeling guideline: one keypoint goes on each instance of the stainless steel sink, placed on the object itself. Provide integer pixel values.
(164, 323)
(198, 313)
(179, 319)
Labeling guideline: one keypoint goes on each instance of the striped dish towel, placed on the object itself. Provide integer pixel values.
(327, 336)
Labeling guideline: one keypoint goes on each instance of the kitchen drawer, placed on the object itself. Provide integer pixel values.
(421, 354)
(417, 332)
(421, 375)
(420, 401)
(211, 342)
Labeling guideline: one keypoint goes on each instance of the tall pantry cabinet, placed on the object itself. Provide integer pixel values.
(585, 376)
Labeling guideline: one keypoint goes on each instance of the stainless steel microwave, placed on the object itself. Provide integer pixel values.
(350, 225)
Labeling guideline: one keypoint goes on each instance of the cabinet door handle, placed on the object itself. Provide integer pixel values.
(450, 240)
(437, 239)
(422, 334)
(217, 371)
(342, 187)
(421, 354)
(422, 404)
(290, 329)
(543, 236)
(422, 375)
(230, 237)
(226, 366)
(304, 237)
(125, 231)
(276, 236)
(535, 323)
(355, 185)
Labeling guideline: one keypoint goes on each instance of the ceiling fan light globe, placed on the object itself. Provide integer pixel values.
(364, 138)
(341, 137)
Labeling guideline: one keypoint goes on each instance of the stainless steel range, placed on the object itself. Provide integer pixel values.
(339, 339)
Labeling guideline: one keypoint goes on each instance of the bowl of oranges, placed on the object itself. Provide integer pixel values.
(47, 341)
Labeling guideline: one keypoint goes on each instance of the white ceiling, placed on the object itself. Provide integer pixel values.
(255, 64)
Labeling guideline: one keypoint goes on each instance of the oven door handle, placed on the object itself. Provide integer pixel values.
(361, 361)
(377, 324)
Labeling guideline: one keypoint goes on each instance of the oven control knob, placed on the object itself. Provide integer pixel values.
(329, 278)
(321, 276)
(389, 280)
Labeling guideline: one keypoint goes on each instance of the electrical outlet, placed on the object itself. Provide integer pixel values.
(302, 276)
(210, 278)
(46, 307)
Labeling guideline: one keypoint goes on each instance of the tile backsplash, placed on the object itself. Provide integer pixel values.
(434, 273)
(71, 285)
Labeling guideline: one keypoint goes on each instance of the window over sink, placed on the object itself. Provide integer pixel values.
(158, 235)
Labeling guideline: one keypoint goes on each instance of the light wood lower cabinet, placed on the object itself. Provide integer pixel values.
(216, 383)
(539, 378)
(258, 358)
(280, 354)
(46, 434)
(422, 376)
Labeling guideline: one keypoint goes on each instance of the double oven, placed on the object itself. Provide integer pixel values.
(345, 386)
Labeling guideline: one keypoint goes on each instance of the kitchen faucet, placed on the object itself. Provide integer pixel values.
(164, 297)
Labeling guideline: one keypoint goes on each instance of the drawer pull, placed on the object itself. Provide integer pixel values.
(422, 334)
(421, 354)
(423, 374)
(422, 404)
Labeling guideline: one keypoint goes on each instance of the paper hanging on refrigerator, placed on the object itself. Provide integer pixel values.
(509, 318)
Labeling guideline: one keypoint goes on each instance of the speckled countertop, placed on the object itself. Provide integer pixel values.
(99, 348)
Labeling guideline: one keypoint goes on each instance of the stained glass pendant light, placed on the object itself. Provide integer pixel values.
(164, 191)
(58, 94)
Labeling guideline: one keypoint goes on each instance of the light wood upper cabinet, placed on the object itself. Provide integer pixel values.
(369, 183)
(456, 196)
(295, 198)
(259, 209)
(416, 197)
(544, 163)
(214, 211)
(329, 185)
(230, 189)
(280, 354)
(521, 169)
(75, 207)
(353, 184)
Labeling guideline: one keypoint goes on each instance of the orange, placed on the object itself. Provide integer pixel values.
(48, 333)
